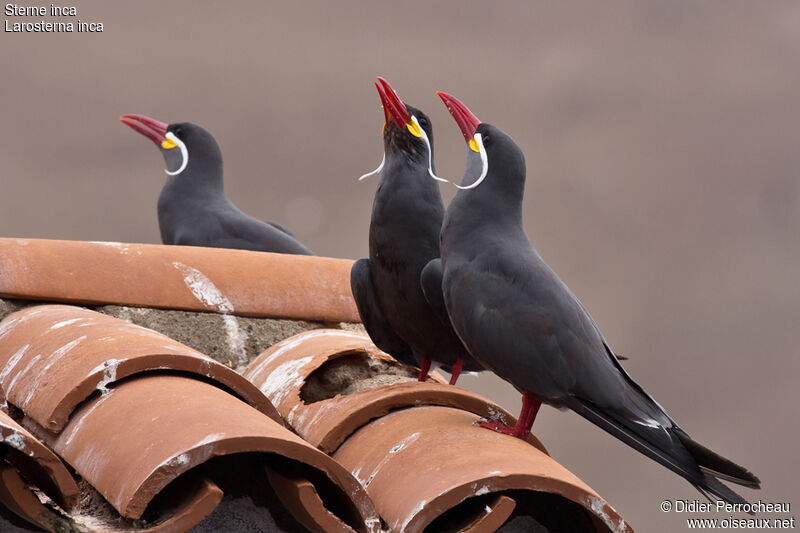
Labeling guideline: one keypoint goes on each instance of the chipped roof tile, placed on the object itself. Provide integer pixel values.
(37, 461)
(282, 371)
(55, 356)
(414, 446)
(139, 419)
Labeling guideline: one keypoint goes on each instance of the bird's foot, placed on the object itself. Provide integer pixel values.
(455, 372)
(424, 367)
(499, 427)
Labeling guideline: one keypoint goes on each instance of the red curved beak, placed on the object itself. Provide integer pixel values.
(151, 128)
(392, 105)
(466, 121)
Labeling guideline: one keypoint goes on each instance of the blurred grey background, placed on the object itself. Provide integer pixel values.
(662, 147)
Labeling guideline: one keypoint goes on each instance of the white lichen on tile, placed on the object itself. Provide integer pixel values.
(300, 422)
(109, 370)
(61, 352)
(285, 345)
(373, 525)
(483, 490)
(283, 379)
(62, 323)
(15, 440)
(24, 371)
(205, 447)
(125, 248)
(237, 338)
(12, 362)
(76, 422)
(203, 289)
(10, 323)
(598, 506)
(178, 461)
(211, 437)
(31, 388)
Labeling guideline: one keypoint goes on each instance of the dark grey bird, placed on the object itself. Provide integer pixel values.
(193, 209)
(403, 317)
(521, 321)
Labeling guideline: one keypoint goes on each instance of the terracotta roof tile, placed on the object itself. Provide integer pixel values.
(189, 508)
(304, 502)
(132, 431)
(178, 277)
(150, 428)
(461, 461)
(17, 496)
(283, 371)
(21, 452)
(139, 418)
(414, 446)
(55, 356)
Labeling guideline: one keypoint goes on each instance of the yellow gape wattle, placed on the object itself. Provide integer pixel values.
(166, 144)
(473, 145)
(413, 128)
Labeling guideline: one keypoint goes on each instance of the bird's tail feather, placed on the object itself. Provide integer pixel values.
(668, 448)
(715, 465)
(715, 487)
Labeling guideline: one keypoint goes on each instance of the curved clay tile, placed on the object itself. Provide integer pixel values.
(198, 501)
(282, 371)
(303, 501)
(188, 509)
(17, 497)
(178, 277)
(497, 512)
(132, 442)
(52, 357)
(39, 465)
(388, 455)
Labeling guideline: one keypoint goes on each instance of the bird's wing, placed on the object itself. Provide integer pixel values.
(240, 230)
(516, 316)
(528, 325)
(431, 282)
(282, 228)
(372, 315)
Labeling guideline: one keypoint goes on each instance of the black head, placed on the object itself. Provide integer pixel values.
(407, 139)
(187, 148)
(495, 174)
(407, 134)
(504, 164)
(202, 150)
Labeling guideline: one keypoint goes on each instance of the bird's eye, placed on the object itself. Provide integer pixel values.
(423, 121)
(177, 130)
(486, 139)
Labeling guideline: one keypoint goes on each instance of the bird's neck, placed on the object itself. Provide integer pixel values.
(405, 177)
(407, 213)
(478, 215)
(199, 179)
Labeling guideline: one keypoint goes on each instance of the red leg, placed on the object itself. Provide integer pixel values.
(424, 367)
(455, 372)
(530, 408)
